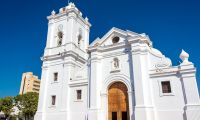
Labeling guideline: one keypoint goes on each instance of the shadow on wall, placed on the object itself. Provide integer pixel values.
(130, 59)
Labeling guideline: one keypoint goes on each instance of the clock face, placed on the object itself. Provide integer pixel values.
(60, 27)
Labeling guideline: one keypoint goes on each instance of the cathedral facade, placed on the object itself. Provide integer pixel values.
(120, 76)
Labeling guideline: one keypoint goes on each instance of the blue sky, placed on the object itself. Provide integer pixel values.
(171, 24)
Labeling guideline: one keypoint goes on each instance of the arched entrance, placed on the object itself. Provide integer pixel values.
(118, 107)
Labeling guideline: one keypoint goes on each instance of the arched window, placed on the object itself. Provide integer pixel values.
(60, 38)
(80, 37)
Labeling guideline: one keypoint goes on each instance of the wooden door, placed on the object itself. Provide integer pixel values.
(118, 108)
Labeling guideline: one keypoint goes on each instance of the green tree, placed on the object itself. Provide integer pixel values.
(27, 104)
(18, 104)
(6, 106)
(18, 101)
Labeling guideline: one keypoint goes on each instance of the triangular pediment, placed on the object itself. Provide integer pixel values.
(110, 36)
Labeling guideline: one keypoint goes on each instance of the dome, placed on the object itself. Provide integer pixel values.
(156, 51)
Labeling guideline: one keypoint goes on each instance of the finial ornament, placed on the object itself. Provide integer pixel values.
(70, 5)
(61, 10)
(86, 18)
(53, 12)
(184, 56)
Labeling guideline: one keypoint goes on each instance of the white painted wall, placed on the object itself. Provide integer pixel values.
(90, 69)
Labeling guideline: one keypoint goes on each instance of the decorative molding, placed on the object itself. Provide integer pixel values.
(63, 55)
(163, 63)
(116, 77)
(67, 13)
(80, 83)
(115, 65)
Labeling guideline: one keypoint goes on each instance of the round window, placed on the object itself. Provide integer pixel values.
(115, 40)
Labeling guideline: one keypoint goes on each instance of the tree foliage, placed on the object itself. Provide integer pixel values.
(27, 104)
(6, 106)
(18, 102)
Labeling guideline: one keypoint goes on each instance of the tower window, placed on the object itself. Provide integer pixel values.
(55, 76)
(60, 38)
(79, 94)
(166, 87)
(115, 40)
(79, 36)
(79, 39)
(53, 100)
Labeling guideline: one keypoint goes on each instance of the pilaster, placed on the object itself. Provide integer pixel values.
(104, 107)
(131, 101)
(190, 91)
(188, 78)
(42, 104)
(144, 109)
(67, 68)
(95, 86)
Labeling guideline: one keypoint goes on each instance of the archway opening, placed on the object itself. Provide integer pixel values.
(118, 107)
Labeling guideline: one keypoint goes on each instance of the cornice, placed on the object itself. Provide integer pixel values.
(67, 63)
(128, 35)
(187, 72)
(106, 48)
(65, 45)
(163, 72)
(67, 13)
(120, 45)
(171, 71)
(63, 55)
(78, 83)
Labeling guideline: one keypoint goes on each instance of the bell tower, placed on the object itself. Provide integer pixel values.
(64, 54)
(67, 31)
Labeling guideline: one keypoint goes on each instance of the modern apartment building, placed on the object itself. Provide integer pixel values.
(29, 83)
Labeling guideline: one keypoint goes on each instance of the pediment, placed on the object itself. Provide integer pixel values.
(114, 35)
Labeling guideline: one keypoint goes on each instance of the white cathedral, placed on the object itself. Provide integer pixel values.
(117, 77)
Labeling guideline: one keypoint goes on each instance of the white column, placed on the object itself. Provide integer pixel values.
(143, 97)
(188, 78)
(50, 38)
(95, 87)
(190, 91)
(65, 98)
(104, 107)
(42, 103)
(131, 103)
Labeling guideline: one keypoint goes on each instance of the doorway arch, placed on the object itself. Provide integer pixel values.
(118, 104)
